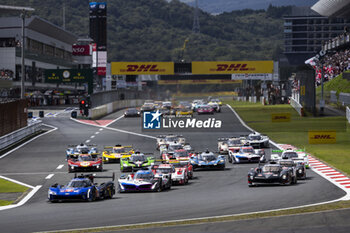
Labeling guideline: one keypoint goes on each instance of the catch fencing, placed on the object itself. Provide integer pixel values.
(19, 134)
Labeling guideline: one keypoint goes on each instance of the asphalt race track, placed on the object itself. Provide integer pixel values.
(210, 193)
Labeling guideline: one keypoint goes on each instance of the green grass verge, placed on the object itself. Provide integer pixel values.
(3, 203)
(295, 132)
(10, 187)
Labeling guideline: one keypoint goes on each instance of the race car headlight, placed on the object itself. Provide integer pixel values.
(107, 159)
(221, 161)
(284, 177)
(300, 171)
(52, 192)
(251, 177)
(98, 166)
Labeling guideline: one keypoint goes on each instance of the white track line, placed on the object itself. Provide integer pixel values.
(87, 141)
(17, 182)
(23, 201)
(34, 189)
(60, 166)
(92, 136)
(97, 132)
(49, 176)
(25, 143)
(114, 129)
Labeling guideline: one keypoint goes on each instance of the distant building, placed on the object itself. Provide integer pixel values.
(47, 46)
(305, 31)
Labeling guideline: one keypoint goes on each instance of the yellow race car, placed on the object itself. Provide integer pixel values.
(115, 153)
(218, 101)
(184, 112)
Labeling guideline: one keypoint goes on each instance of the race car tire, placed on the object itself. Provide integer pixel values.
(229, 159)
(234, 160)
(186, 180)
(69, 170)
(159, 189)
(91, 195)
(289, 182)
(109, 193)
(295, 180)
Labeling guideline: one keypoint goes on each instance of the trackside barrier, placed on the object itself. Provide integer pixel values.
(298, 107)
(19, 134)
(106, 109)
(348, 113)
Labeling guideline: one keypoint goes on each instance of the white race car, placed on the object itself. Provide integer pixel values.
(231, 144)
(296, 155)
(171, 138)
(247, 154)
(257, 140)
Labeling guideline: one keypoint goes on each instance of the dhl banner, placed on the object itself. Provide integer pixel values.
(134, 68)
(198, 82)
(232, 67)
(280, 117)
(322, 137)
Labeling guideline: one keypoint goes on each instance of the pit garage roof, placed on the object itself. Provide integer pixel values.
(40, 25)
(333, 8)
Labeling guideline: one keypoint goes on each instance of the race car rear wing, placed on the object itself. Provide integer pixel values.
(93, 176)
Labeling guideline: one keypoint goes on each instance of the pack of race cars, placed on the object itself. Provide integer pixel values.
(176, 163)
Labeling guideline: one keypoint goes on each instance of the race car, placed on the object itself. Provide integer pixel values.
(217, 101)
(170, 138)
(81, 149)
(136, 161)
(132, 112)
(142, 181)
(257, 140)
(196, 104)
(115, 153)
(299, 167)
(298, 156)
(205, 109)
(82, 188)
(178, 155)
(147, 107)
(208, 159)
(247, 154)
(184, 112)
(159, 170)
(272, 173)
(183, 165)
(232, 144)
(215, 106)
(84, 162)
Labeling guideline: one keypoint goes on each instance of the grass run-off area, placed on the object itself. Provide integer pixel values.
(10, 187)
(295, 132)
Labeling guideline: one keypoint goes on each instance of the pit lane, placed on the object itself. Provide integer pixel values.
(211, 193)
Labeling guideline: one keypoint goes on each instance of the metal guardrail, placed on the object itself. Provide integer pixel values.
(19, 134)
(297, 106)
(348, 113)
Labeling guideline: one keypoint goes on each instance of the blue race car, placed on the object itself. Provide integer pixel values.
(76, 150)
(82, 188)
(208, 159)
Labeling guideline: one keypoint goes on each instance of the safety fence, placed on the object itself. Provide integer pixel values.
(297, 106)
(19, 134)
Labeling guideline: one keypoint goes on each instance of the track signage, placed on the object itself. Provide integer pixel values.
(135, 68)
(280, 117)
(232, 67)
(322, 137)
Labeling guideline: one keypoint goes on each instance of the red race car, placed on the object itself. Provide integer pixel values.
(178, 155)
(84, 162)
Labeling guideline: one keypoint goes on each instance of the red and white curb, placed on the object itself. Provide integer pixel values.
(335, 177)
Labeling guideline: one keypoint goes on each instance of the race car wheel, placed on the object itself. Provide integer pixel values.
(229, 159)
(69, 170)
(159, 189)
(234, 160)
(109, 194)
(91, 196)
(186, 180)
(295, 180)
(289, 181)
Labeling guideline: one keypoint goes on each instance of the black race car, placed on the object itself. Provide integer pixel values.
(272, 173)
(132, 112)
(299, 167)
